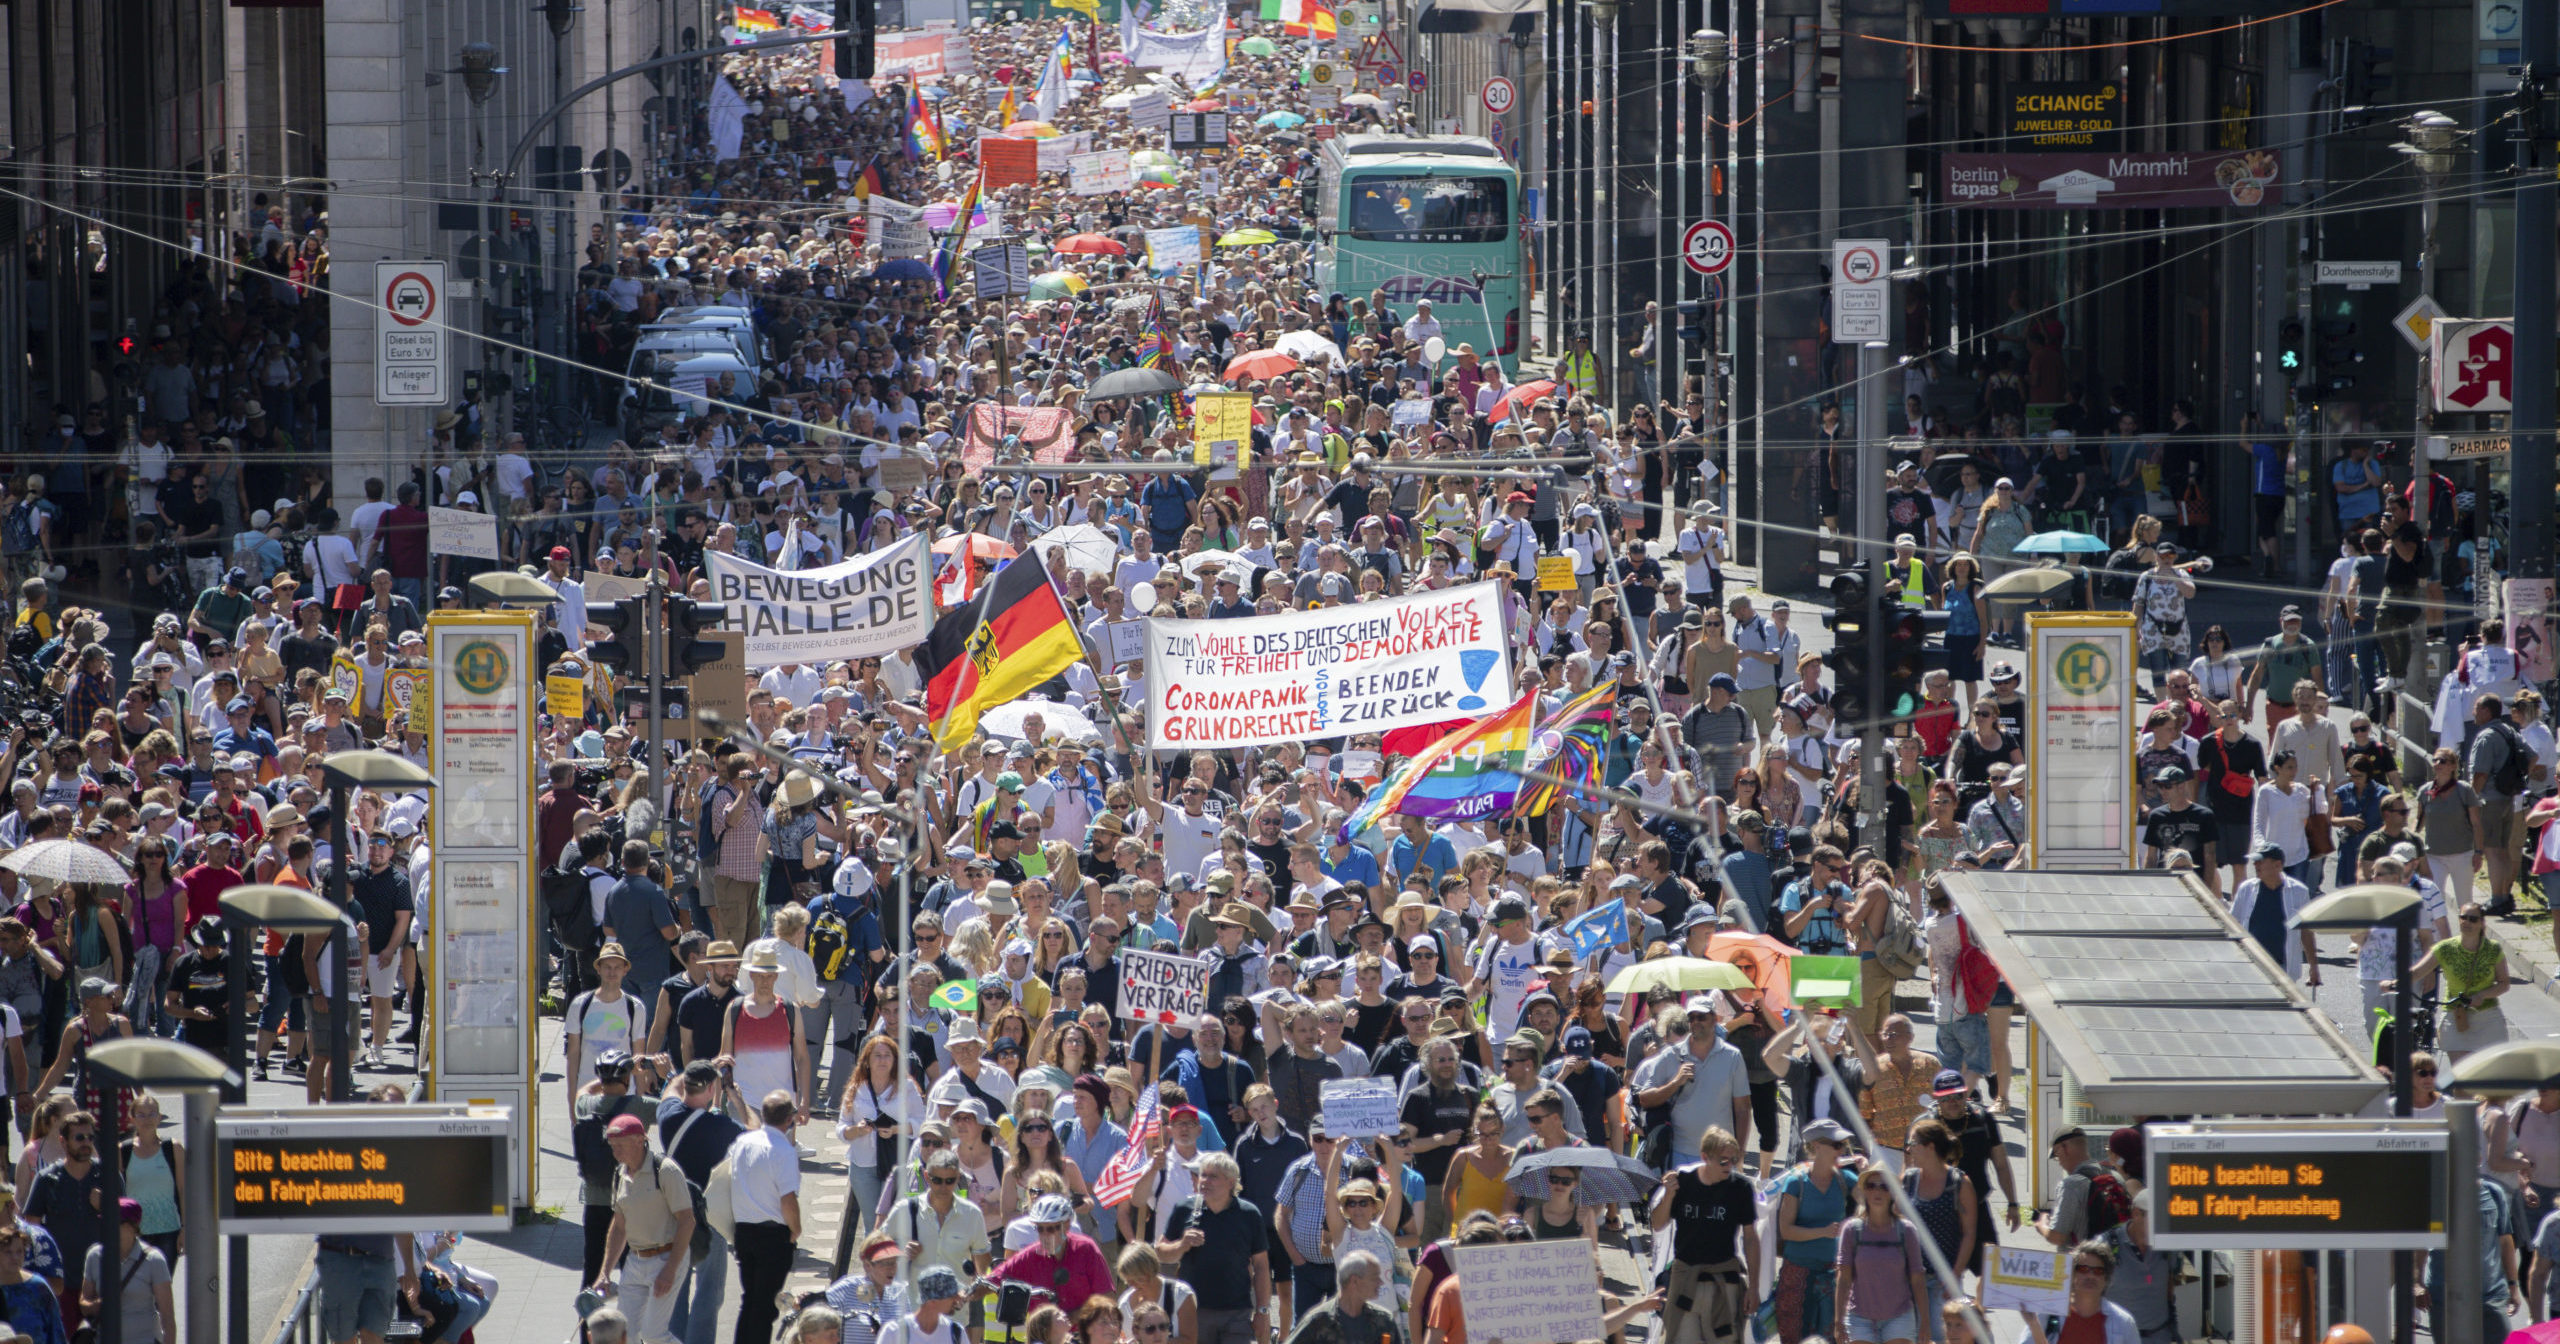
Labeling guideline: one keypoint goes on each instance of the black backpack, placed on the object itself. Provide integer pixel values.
(566, 903)
(2511, 776)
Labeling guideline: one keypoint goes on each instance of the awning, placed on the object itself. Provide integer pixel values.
(2157, 1000)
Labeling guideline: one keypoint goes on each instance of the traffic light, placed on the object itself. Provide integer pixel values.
(1906, 637)
(2368, 81)
(626, 652)
(2289, 348)
(2339, 353)
(856, 53)
(1852, 622)
(687, 621)
(1693, 321)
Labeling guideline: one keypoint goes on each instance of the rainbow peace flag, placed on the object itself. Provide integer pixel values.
(924, 136)
(956, 243)
(1574, 744)
(1473, 772)
(756, 21)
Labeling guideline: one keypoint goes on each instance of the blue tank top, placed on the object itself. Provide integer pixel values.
(1962, 617)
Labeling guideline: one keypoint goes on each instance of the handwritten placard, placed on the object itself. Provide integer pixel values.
(1058, 152)
(462, 532)
(565, 696)
(1102, 173)
(2021, 1280)
(1179, 246)
(1359, 1108)
(1162, 987)
(404, 688)
(1151, 109)
(1128, 641)
(1530, 1292)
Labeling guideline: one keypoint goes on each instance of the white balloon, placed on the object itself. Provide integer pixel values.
(1434, 349)
(1143, 597)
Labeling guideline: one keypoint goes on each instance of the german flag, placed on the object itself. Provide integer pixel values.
(1015, 636)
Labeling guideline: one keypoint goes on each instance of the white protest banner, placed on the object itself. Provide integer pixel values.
(1103, 173)
(864, 607)
(899, 228)
(1530, 1292)
(1162, 987)
(462, 532)
(1177, 246)
(1358, 1108)
(2022, 1280)
(1410, 412)
(1423, 659)
(1128, 641)
(1151, 109)
(844, 174)
(1059, 151)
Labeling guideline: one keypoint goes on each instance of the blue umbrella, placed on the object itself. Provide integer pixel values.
(1283, 120)
(2063, 543)
(904, 268)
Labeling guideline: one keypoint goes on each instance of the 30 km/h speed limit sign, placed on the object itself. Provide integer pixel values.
(1500, 96)
(1707, 247)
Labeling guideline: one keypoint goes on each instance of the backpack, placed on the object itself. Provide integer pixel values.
(2109, 1203)
(18, 528)
(1898, 950)
(1976, 976)
(2511, 776)
(829, 942)
(565, 902)
(719, 1205)
(587, 1146)
(707, 836)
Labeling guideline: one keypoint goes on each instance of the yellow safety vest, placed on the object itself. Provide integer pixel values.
(1578, 370)
(1915, 583)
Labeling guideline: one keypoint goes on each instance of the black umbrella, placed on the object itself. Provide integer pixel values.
(1946, 472)
(1125, 383)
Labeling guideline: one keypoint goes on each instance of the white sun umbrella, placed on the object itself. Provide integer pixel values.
(1006, 720)
(1120, 100)
(1204, 566)
(66, 861)
(1308, 346)
(1089, 548)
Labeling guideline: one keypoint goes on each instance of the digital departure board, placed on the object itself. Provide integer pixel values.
(385, 1169)
(2344, 1189)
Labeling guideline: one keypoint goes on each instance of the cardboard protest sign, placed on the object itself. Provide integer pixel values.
(1162, 987)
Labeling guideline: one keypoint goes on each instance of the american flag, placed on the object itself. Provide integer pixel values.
(1120, 1176)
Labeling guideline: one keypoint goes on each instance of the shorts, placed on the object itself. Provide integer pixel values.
(2498, 826)
(2270, 511)
(380, 981)
(1903, 1326)
(2231, 843)
(2004, 997)
(1965, 1043)
(1280, 1267)
(356, 1292)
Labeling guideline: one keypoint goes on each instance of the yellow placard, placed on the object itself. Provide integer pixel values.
(1222, 418)
(565, 697)
(405, 688)
(348, 679)
(1555, 574)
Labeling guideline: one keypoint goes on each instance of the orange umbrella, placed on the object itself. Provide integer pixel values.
(1761, 957)
(1261, 364)
(1092, 243)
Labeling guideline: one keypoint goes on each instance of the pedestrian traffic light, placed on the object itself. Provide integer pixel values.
(2289, 347)
(1906, 637)
(2340, 353)
(687, 621)
(2368, 81)
(1852, 622)
(625, 651)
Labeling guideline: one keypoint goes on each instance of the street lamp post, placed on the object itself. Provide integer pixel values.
(149, 1062)
(2430, 149)
(244, 911)
(344, 772)
(2383, 905)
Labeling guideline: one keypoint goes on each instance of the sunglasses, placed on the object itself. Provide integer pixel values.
(1036, 1129)
(2427, 1072)
(1357, 1202)
(942, 1180)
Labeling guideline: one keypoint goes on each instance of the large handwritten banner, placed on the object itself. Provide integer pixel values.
(1428, 658)
(868, 606)
(1531, 1292)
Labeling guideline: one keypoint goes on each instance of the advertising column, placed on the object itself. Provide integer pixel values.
(2080, 733)
(481, 960)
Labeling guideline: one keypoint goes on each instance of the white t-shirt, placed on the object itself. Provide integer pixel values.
(366, 518)
(606, 1024)
(333, 560)
(800, 687)
(1189, 841)
(1513, 968)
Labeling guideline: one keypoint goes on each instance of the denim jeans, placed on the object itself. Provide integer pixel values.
(696, 1318)
(1309, 1285)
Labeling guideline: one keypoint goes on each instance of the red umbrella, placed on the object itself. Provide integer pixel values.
(1523, 397)
(1093, 243)
(1261, 364)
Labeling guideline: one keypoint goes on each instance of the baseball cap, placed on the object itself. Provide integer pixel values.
(621, 1125)
(1948, 1083)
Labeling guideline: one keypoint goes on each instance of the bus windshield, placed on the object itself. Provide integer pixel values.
(1429, 209)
